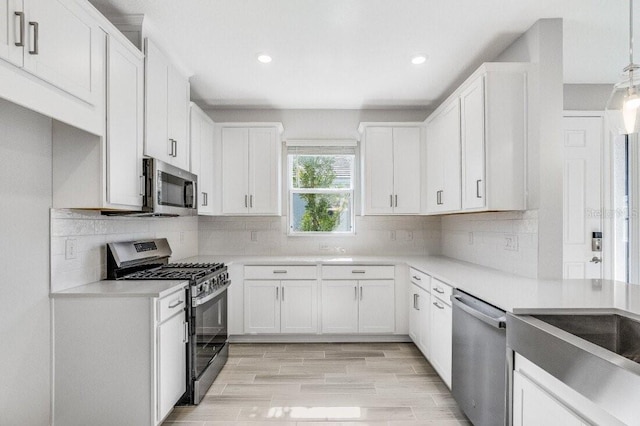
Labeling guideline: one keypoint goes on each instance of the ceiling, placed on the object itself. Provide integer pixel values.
(357, 53)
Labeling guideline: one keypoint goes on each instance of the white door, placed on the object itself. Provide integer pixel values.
(339, 306)
(172, 363)
(532, 406)
(424, 317)
(299, 306)
(60, 50)
(125, 97)
(261, 306)
(178, 110)
(406, 170)
(235, 170)
(12, 31)
(378, 173)
(582, 199)
(376, 313)
(264, 171)
(157, 143)
(441, 331)
(473, 154)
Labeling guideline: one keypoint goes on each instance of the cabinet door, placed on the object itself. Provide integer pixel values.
(261, 306)
(424, 318)
(157, 143)
(125, 97)
(378, 171)
(532, 406)
(264, 171)
(450, 152)
(441, 330)
(178, 110)
(377, 306)
(61, 45)
(172, 363)
(10, 34)
(205, 178)
(434, 165)
(414, 315)
(406, 170)
(235, 170)
(473, 145)
(299, 306)
(339, 306)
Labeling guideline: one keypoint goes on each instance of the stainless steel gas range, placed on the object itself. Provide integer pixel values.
(207, 346)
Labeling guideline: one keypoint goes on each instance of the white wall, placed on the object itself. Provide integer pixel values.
(586, 97)
(25, 199)
(542, 46)
(375, 235)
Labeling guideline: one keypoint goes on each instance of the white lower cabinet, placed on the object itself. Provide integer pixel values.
(364, 305)
(420, 319)
(118, 360)
(441, 328)
(287, 305)
(534, 406)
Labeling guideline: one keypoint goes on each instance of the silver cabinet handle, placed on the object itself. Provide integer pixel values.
(20, 15)
(36, 34)
(170, 147)
(396, 200)
(246, 197)
(277, 289)
(251, 201)
(438, 290)
(186, 333)
(175, 149)
(358, 271)
(142, 189)
(478, 188)
(355, 289)
(360, 292)
(390, 200)
(439, 197)
(417, 278)
(414, 301)
(437, 305)
(279, 271)
(417, 302)
(205, 199)
(283, 294)
(176, 304)
(596, 259)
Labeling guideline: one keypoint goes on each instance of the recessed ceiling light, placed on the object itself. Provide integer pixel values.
(264, 58)
(419, 59)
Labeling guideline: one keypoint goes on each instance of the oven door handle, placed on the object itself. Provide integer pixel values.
(202, 301)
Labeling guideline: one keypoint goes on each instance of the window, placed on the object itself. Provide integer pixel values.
(321, 185)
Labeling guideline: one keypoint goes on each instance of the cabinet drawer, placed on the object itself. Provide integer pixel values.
(441, 290)
(420, 279)
(358, 272)
(171, 304)
(280, 272)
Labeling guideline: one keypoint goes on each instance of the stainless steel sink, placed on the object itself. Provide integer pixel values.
(595, 354)
(615, 333)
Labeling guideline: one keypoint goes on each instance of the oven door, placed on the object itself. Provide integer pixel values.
(209, 331)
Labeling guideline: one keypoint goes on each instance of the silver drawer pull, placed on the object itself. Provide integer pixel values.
(176, 303)
(20, 15)
(437, 305)
(438, 290)
(280, 271)
(415, 277)
(358, 271)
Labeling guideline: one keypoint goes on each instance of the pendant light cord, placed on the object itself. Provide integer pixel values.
(631, 32)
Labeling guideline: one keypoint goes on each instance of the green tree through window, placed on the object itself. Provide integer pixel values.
(322, 213)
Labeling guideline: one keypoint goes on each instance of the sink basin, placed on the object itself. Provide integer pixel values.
(615, 333)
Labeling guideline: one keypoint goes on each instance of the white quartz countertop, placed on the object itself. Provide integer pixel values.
(119, 288)
(509, 292)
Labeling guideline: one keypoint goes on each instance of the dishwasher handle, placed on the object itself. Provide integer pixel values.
(500, 322)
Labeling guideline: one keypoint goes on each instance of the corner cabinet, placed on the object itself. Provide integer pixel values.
(391, 155)
(476, 143)
(121, 356)
(280, 299)
(250, 170)
(201, 133)
(167, 109)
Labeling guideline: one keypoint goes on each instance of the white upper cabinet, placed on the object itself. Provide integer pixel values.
(476, 143)
(250, 166)
(443, 159)
(125, 124)
(167, 112)
(12, 36)
(391, 168)
(201, 140)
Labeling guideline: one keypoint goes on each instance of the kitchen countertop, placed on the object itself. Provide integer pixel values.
(118, 288)
(509, 292)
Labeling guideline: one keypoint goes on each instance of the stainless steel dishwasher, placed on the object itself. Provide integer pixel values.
(479, 367)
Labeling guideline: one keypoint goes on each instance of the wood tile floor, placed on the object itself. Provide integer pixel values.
(324, 384)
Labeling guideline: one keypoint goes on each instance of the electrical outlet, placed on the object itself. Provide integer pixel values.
(324, 247)
(254, 235)
(511, 242)
(470, 238)
(70, 249)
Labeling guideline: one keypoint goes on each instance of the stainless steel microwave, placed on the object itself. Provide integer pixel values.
(169, 191)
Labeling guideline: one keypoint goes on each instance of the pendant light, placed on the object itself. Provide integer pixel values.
(625, 98)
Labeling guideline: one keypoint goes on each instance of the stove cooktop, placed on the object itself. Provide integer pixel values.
(178, 271)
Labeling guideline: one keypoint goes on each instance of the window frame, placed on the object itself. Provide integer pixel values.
(351, 191)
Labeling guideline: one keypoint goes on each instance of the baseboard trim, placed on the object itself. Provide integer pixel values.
(319, 338)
